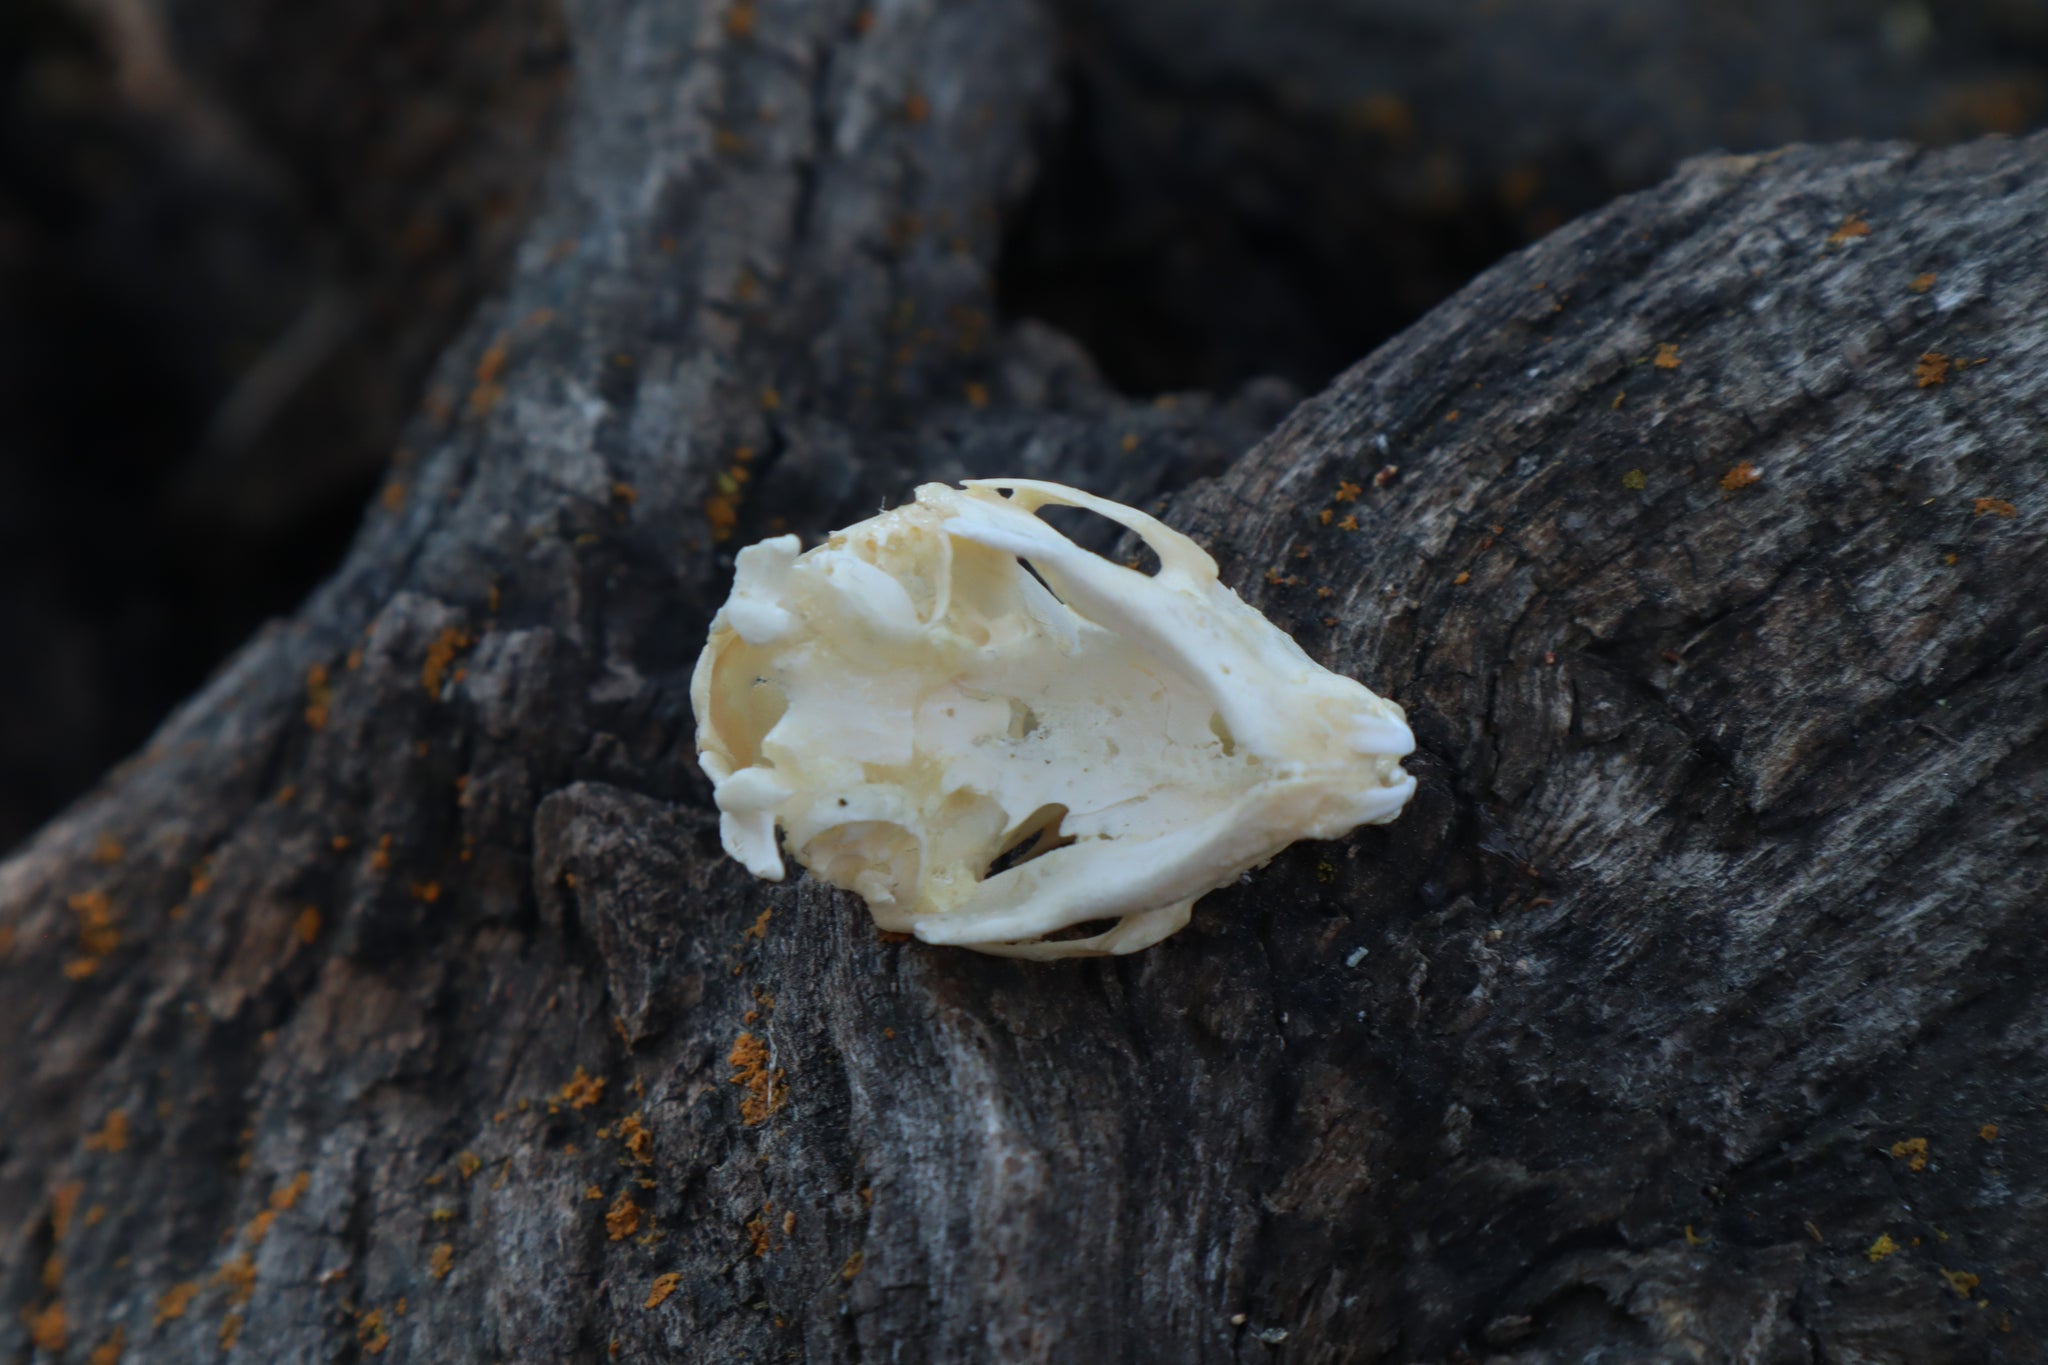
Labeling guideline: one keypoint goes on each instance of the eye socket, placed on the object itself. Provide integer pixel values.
(1087, 928)
(1037, 836)
(1092, 531)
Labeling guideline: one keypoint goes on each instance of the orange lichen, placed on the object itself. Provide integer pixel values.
(259, 1226)
(1742, 476)
(307, 925)
(1962, 1281)
(1853, 226)
(1993, 507)
(721, 510)
(172, 1303)
(492, 363)
(287, 1195)
(622, 1219)
(486, 392)
(393, 496)
(1930, 369)
(663, 1286)
(1667, 356)
(1881, 1248)
(638, 1140)
(1462, 579)
(426, 893)
(109, 1351)
(789, 1222)
(319, 696)
(976, 392)
(1347, 491)
(63, 1200)
(1326, 516)
(371, 1333)
(239, 1275)
(582, 1090)
(1349, 523)
(112, 1135)
(1914, 1151)
(230, 1331)
(853, 1265)
(107, 851)
(765, 1089)
(468, 1163)
(48, 1330)
(1922, 282)
(757, 1231)
(441, 1261)
(97, 935)
(53, 1272)
(758, 930)
(739, 20)
(440, 654)
(1989, 1132)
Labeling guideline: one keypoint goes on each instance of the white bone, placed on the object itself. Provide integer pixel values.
(909, 704)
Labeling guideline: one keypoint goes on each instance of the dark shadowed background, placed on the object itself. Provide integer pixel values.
(234, 236)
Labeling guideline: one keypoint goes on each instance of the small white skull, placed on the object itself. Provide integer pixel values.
(911, 706)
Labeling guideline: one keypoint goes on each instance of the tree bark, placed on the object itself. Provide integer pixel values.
(397, 1000)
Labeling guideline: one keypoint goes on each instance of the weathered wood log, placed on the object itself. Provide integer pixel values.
(232, 243)
(236, 237)
(397, 1001)
(1276, 188)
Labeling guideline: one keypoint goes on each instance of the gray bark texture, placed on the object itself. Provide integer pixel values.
(396, 1000)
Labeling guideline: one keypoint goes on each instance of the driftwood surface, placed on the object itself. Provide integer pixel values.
(396, 1000)
(234, 237)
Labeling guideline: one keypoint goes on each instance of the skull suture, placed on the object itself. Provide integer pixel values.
(917, 710)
